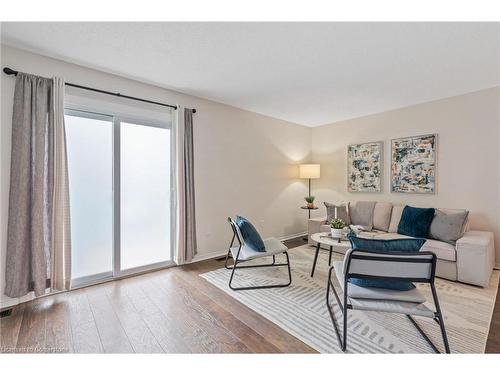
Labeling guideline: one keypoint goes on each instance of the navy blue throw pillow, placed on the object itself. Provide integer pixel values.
(416, 222)
(250, 235)
(409, 245)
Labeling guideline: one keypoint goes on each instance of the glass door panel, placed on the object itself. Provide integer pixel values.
(144, 195)
(90, 167)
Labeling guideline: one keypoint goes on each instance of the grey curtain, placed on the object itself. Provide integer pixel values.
(61, 226)
(30, 222)
(189, 201)
(185, 233)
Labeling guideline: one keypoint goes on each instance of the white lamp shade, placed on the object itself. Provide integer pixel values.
(309, 171)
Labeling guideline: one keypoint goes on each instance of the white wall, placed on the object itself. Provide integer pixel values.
(468, 175)
(243, 160)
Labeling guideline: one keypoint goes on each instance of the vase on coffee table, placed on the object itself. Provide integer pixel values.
(337, 233)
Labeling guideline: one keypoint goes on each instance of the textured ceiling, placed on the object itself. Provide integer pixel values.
(307, 73)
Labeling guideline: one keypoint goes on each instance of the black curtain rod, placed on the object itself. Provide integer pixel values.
(12, 72)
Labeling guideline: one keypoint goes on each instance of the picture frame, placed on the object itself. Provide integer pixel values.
(414, 164)
(365, 167)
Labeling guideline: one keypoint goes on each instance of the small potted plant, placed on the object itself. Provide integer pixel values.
(337, 226)
(310, 201)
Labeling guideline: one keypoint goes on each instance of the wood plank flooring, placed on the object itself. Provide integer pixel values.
(172, 311)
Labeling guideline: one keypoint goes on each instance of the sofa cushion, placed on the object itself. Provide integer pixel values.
(337, 211)
(448, 226)
(415, 222)
(409, 245)
(455, 211)
(382, 216)
(324, 228)
(443, 250)
(365, 234)
(389, 236)
(397, 211)
(362, 214)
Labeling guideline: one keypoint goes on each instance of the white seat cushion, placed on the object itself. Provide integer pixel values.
(443, 250)
(356, 291)
(399, 307)
(273, 247)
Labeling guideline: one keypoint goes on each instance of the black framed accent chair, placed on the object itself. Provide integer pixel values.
(390, 267)
(242, 253)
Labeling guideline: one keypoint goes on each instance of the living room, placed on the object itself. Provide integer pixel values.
(335, 191)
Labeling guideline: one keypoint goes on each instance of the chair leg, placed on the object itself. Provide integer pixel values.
(234, 267)
(227, 258)
(344, 344)
(427, 339)
(423, 334)
(315, 259)
(341, 339)
(439, 315)
(443, 334)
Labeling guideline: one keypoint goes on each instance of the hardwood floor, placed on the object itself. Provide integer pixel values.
(172, 311)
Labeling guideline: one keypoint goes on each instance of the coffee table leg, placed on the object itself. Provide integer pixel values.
(330, 256)
(315, 259)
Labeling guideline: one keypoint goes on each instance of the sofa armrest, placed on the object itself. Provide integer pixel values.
(313, 226)
(475, 257)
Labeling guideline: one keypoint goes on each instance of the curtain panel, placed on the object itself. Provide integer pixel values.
(36, 159)
(185, 230)
(61, 227)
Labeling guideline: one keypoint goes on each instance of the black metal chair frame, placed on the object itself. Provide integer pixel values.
(237, 264)
(395, 257)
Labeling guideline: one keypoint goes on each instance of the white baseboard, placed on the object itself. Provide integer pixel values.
(7, 302)
(218, 254)
(285, 238)
(211, 255)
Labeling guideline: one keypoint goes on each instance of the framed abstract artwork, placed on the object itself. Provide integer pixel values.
(364, 167)
(413, 166)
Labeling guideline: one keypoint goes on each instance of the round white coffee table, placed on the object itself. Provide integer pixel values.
(335, 244)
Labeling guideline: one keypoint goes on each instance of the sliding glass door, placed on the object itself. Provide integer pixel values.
(144, 195)
(120, 195)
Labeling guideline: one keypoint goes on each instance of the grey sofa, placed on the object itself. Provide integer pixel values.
(470, 260)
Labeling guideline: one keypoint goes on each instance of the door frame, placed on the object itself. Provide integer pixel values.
(117, 119)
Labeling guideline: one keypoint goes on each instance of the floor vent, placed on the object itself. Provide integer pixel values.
(5, 313)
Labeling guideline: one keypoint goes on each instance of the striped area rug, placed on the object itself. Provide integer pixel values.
(300, 310)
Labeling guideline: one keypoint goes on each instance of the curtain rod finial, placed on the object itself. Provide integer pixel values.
(9, 71)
